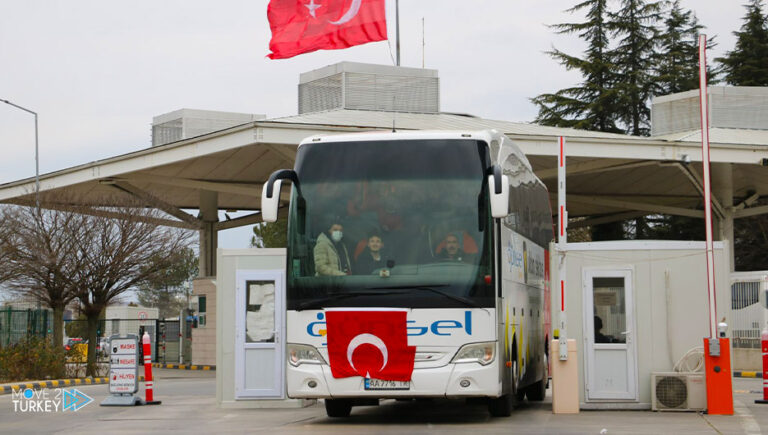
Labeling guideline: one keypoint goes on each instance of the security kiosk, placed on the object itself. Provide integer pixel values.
(250, 337)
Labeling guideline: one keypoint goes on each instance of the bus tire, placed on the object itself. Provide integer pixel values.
(517, 392)
(537, 391)
(520, 394)
(501, 406)
(338, 407)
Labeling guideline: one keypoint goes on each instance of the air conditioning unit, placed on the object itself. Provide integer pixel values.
(678, 392)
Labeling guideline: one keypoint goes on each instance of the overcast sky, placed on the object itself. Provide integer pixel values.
(98, 71)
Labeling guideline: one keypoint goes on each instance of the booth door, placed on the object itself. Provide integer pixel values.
(259, 341)
(610, 337)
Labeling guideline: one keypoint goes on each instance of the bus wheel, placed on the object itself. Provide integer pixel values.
(538, 391)
(501, 406)
(338, 407)
(519, 393)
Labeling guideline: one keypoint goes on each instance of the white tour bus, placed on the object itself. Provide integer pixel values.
(463, 227)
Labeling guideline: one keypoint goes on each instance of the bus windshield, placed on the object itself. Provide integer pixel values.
(401, 223)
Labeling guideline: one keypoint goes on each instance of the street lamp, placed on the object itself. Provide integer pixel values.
(37, 157)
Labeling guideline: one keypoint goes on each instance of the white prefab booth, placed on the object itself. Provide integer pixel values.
(636, 308)
(250, 335)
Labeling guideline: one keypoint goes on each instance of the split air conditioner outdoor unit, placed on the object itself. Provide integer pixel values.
(678, 392)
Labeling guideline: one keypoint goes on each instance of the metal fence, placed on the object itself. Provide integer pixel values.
(748, 316)
(17, 325)
(163, 334)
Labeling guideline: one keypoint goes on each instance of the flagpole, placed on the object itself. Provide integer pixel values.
(397, 30)
(423, 44)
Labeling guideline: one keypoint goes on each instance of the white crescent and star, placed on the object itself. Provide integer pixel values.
(367, 339)
(312, 6)
(354, 8)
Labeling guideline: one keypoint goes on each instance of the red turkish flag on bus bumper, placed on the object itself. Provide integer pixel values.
(372, 344)
(303, 26)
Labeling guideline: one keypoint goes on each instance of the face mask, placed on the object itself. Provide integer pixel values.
(336, 236)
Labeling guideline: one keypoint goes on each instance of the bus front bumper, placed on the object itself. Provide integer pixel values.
(314, 381)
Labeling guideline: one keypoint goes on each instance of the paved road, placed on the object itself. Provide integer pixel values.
(189, 406)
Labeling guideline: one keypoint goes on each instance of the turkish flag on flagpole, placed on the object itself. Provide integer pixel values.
(371, 344)
(303, 26)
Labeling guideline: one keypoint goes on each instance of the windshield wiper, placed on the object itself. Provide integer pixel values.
(320, 302)
(463, 300)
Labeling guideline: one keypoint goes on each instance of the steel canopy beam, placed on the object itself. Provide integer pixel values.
(594, 166)
(747, 212)
(248, 189)
(617, 217)
(95, 211)
(155, 202)
(698, 184)
(241, 221)
(640, 206)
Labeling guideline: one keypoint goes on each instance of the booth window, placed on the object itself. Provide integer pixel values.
(201, 317)
(610, 311)
(260, 312)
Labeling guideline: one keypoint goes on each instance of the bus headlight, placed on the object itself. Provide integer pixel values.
(299, 354)
(481, 353)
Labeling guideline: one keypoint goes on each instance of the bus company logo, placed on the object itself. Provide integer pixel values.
(443, 327)
(515, 257)
(55, 400)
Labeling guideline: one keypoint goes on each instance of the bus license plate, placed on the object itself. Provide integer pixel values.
(379, 384)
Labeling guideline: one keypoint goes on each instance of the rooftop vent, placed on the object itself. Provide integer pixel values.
(361, 86)
(186, 123)
(729, 107)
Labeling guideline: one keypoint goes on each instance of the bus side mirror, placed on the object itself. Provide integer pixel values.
(269, 204)
(498, 190)
(270, 193)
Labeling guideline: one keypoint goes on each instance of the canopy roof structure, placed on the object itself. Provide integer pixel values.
(610, 176)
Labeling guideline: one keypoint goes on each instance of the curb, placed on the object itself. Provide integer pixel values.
(745, 374)
(183, 366)
(39, 385)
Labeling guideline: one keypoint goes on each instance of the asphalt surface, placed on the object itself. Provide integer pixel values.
(189, 406)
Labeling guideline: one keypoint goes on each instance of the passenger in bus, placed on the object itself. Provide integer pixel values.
(331, 255)
(371, 258)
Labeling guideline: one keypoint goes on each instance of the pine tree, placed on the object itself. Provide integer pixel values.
(270, 235)
(634, 56)
(747, 64)
(678, 59)
(592, 104)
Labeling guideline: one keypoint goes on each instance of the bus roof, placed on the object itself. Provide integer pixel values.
(486, 135)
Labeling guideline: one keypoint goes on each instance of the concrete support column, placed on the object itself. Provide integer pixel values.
(722, 188)
(209, 211)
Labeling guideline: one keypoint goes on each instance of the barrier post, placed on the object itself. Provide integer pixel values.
(148, 383)
(764, 347)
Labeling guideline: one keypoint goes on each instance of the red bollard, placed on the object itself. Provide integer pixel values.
(148, 384)
(764, 346)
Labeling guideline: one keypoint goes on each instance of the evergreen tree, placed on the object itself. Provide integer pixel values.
(634, 56)
(270, 235)
(747, 64)
(678, 59)
(592, 104)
